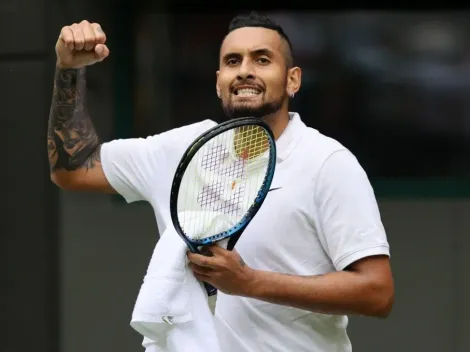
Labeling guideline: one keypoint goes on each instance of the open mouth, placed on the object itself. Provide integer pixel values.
(247, 92)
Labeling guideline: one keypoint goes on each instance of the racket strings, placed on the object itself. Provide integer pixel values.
(250, 142)
(222, 181)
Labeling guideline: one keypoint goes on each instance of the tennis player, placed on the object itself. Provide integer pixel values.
(316, 251)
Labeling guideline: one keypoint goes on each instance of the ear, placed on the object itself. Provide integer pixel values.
(217, 88)
(294, 80)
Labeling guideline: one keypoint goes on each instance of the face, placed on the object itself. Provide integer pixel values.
(253, 78)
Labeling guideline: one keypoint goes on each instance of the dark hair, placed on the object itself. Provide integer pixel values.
(256, 20)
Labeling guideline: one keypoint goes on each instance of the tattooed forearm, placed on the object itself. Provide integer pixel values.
(72, 141)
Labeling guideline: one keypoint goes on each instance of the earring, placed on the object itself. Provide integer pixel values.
(291, 94)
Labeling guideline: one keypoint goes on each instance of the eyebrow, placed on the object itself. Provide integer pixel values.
(257, 52)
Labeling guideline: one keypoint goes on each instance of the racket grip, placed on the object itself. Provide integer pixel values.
(211, 290)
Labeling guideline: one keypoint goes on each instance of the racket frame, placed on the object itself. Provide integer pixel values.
(187, 157)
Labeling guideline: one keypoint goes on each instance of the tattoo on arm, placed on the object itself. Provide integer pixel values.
(242, 262)
(72, 141)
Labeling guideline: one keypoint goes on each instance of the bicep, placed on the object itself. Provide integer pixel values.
(377, 272)
(376, 267)
(349, 217)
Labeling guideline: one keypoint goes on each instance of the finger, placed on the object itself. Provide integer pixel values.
(207, 252)
(66, 35)
(89, 34)
(101, 52)
(100, 36)
(78, 37)
(200, 269)
(216, 249)
(201, 260)
(204, 278)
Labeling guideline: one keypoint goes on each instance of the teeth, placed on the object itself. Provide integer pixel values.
(246, 92)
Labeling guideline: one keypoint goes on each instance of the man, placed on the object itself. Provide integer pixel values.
(317, 249)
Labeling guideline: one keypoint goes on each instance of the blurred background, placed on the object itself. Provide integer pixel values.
(392, 87)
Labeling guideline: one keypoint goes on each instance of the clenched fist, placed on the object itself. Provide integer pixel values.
(81, 45)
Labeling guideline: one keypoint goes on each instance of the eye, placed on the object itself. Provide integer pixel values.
(232, 61)
(263, 61)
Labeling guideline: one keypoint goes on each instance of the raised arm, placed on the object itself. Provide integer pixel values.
(72, 142)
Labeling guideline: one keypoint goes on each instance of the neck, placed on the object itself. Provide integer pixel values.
(277, 122)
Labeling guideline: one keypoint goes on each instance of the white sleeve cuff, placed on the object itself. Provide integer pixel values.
(350, 258)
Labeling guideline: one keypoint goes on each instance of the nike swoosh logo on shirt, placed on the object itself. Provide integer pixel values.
(273, 189)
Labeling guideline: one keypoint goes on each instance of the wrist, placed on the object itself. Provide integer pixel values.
(62, 67)
(253, 283)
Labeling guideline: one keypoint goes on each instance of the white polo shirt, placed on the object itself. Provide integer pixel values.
(323, 217)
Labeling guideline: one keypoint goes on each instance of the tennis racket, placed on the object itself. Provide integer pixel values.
(221, 182)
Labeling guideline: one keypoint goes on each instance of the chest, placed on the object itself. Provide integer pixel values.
(283, 235)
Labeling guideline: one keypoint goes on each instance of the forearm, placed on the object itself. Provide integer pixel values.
(340, 293)
(72, 141)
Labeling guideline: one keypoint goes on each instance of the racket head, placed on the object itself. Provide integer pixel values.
(189, 159)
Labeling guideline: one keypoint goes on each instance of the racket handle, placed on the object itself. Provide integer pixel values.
(211, 290)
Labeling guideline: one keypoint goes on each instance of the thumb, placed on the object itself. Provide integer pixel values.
(101, 52)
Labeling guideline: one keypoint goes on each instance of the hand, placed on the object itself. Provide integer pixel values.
(225, 270)
(81, 45)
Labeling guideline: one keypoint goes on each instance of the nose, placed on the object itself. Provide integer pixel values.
(246, 71)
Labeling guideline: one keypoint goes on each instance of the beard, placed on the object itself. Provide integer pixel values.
(259, 111)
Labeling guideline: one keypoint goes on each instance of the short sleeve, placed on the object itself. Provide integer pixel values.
(350, 224)
(130, 165)
(134, 167)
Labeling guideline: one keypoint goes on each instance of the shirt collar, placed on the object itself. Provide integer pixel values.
(289, 138)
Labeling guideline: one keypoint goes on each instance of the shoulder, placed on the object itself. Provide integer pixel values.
(322, 145)
(326, 161)
(315, 149)
(335, 162)
(165, 145)
(184, 134)
(190, 131)
(179, 137)
(170, 146)
(337, 169)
